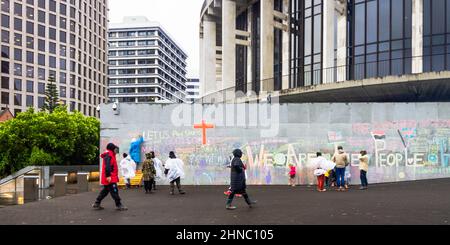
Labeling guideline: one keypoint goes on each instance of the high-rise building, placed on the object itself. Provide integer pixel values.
(192, 90)
(145, 63)
(326, 50)
(66, 39)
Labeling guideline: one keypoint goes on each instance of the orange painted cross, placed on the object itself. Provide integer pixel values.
(203, 126)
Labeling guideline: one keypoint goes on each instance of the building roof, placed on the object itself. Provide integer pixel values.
(142, 22)
(5, 115)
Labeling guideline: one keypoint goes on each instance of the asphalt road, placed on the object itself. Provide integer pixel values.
(422, 202)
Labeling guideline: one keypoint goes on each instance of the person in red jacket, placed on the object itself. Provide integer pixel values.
(109, 178)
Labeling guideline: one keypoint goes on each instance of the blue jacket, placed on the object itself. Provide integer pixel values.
(135, 150)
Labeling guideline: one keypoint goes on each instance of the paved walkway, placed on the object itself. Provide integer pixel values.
(423, 202)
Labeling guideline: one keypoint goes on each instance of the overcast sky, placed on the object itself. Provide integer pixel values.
(180, 18)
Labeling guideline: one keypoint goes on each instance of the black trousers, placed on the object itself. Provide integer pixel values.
(242, 192)
(109, 189)
(148, 185)
(363, 177)
(172, 185)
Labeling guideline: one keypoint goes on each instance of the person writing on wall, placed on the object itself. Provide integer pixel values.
(135, 150)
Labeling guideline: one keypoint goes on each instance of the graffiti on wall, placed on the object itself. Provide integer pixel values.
(399, 150)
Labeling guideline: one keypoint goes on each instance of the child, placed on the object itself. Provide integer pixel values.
(292, 174)
(149, 172)
(238, 180)
(348, 177)
(364, 168)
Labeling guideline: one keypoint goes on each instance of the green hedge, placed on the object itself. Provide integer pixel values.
(43, 139)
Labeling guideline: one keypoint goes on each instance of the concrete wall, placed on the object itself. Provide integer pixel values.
(416, 144)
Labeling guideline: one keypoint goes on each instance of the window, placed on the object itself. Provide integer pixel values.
(17, 84)
(17, 54)
(41, 30)
(5, 6)
(41, 73)
(62, 77)
(62, 51)
(41, 59)
(52, 5)
(5, 98)
(5, 82)
(52, 33)
(62, 23)
(436, 35)
(30, 27)
(5, 36)
(41, 45)
(30, 42)
(41, 16)
(17, 39)
(18, 99)
(41, 4)
(52, 61)
(5, 20)
(30, 13)
(52, 47)
(30, 101)
(380, 42)
(41, 102)
(30, 72)
(18, 69)
(30, 86)
(41, 88)
(62, 92)
(18, 9)
(306, 40)
(52, 19)
(30, 57)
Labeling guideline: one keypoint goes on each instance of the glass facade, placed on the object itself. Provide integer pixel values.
(306, 42)
(379, 38)
(256, 47)
(278, 49)
(241, 54)
(436, 39)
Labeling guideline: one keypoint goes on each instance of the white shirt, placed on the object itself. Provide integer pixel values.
(175, 167)
(128, 168)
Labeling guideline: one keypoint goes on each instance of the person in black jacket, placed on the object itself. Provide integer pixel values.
(238, 185)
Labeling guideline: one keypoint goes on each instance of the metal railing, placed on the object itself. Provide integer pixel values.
(259, 90)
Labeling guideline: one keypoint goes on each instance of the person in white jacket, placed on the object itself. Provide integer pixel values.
(127, 169)
(159, 169)
(174, 172)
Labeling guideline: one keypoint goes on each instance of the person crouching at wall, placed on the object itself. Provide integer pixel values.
(109, 178)
(149, 173)
(238, 180)
(174, 172)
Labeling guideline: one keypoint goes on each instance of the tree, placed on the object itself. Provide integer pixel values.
(43, 139)
(51, 93)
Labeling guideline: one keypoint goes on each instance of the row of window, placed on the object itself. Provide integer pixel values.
(18, 86)
(132, 90)
(167, 41)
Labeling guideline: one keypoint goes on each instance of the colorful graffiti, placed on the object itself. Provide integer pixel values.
(399, 150)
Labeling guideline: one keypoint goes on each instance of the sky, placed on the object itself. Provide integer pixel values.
(181, 18)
